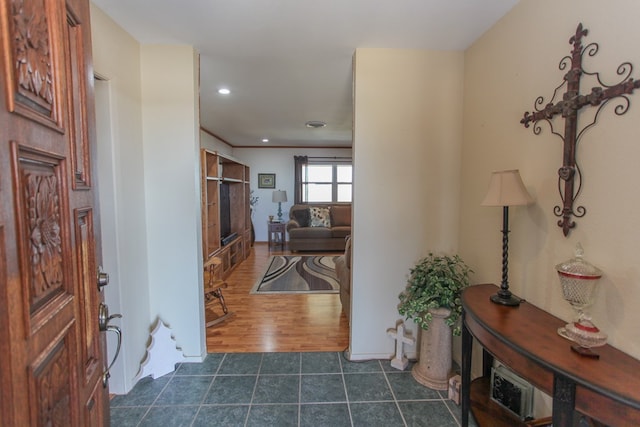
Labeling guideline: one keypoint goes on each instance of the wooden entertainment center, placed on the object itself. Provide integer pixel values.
(525, 339)
(226, 213)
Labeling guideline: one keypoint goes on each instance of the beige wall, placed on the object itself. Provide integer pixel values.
(407, 138)
(512, 64)
(149, 192)
(121, 184)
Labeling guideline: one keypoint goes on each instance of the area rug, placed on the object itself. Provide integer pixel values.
(298, 274)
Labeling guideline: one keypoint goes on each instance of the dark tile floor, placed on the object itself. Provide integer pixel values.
(283, 389)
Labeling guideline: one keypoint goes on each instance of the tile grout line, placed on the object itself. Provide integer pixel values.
(255, 387)
(393, 393)
(299, 389)
(213, 380)
(156, 399)
(344, 385)
(450, 411)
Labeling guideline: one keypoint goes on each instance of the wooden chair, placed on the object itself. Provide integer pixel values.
(213, 292)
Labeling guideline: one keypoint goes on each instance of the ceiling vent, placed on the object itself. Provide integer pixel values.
(315, 124)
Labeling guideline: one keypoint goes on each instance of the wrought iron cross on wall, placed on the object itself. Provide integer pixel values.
(568, 107)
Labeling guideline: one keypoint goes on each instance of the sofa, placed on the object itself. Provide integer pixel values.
(343, 271)
(318, 227)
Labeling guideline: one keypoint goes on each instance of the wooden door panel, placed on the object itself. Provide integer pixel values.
(33, 85)
(94, 410)
(80, 131)
(40, 212)
(51, 394)
(49, 345)
(49, 233)
(5, 374)
(90, 352)
(80, 159)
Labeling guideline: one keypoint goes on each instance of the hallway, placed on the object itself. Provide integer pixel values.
(275, 323)
(279, 361)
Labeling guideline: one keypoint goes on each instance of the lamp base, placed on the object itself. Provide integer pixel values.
(280, 211)
(508, 300)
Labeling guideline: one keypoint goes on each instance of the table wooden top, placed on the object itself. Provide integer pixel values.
(533, 333)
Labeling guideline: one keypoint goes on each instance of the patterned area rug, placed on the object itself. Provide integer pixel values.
(299, 274)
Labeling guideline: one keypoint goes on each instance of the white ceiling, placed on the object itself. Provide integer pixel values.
(289, 61)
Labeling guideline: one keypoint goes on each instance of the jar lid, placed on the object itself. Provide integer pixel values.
(578, 268)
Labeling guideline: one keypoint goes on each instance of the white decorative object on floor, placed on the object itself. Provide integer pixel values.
(162, 353)
(400, 361)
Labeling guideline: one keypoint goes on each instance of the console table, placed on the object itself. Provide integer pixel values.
(524, 338)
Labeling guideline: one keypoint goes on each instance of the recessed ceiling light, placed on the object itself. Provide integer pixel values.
(315, 124)
(224, 91)
(265, 140)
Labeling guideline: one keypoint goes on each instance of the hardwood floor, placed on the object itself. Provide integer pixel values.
(275, 323)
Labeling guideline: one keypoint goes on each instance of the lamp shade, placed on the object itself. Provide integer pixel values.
(506, 189)
(279, 196)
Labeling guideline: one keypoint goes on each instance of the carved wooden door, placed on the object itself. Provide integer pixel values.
(52, 351)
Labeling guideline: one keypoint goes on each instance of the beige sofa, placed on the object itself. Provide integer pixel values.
(343, 271)
(319, 227)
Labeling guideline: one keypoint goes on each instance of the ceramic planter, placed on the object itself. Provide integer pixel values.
(434, 365)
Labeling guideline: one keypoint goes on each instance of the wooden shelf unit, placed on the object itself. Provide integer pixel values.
(218, 169)
(247, 212)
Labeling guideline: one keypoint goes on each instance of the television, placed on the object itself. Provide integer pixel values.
(225, 213)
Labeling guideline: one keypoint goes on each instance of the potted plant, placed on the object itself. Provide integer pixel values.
(432, 300)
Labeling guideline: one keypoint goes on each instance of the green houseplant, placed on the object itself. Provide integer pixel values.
(432, 300)
(436, 281)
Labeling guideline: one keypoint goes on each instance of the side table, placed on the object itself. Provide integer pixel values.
(277, 233)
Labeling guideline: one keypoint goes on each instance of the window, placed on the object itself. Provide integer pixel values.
(326, 182)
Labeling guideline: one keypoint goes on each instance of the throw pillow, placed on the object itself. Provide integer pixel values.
(341, 215)
(301, 216)
(319, 217)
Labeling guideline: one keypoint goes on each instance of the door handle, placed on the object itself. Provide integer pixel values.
(104, 318)
(102, 278)
(107, 374)
(104, 326)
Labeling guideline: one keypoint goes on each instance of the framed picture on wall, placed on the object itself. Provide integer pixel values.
(266, 180)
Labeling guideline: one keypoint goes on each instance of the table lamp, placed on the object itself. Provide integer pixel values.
(278, 197)
(506, 189)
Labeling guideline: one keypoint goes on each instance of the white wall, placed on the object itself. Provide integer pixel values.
(408, 118)
(121, 186)
(280, 162)
(172, 193)
(502, 81)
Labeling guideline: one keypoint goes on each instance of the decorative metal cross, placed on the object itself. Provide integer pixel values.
(569, 107)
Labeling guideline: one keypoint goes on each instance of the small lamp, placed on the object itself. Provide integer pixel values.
(278, 197)
(506, 189)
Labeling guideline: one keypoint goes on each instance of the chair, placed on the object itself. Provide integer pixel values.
(213, 292)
